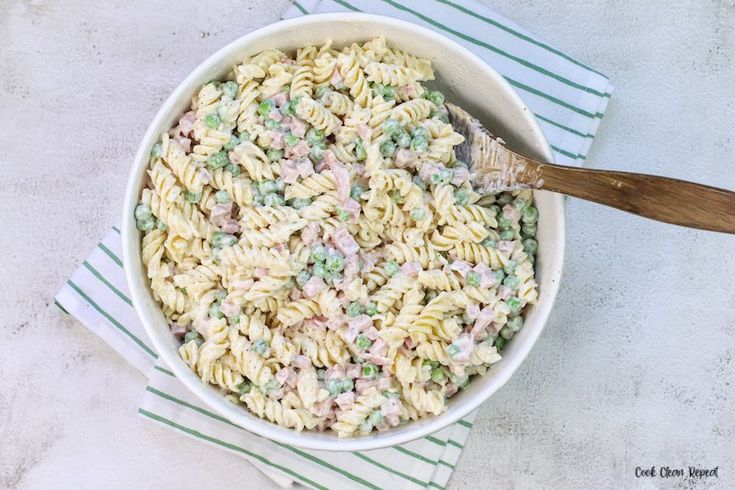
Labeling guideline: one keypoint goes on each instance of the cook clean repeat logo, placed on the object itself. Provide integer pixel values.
(692, 472)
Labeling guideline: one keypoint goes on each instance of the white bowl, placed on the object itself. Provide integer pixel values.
(467, 81)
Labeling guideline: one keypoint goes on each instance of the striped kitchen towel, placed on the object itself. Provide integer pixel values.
(568, 99)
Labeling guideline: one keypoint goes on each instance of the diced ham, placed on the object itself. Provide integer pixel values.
(295, 294)
(403, 158)
(452, 388)
(234, 157)
(280, 99)
(330, 158)
(361, 385)
(371, 333)
(411, 269)
(355, 326)
(301, 362)
(352, 208)
(487, 278)
(230, 226)
(305, 167)
(391, 411)
(379, 347)
(351, 268)
(220, 213)
(460, 176)
(506, 246)
(504, 292)
(336, 79)
(385, 382)
(353, 371)
(186, 123)
(511, 212)
(369, 260)
(289, 172)
(461, 266)
(179, 331)
(344, 241)
(335, 323)
(295, 125)
(334, 372)
(322, 408)
(276, 115)
(276, 139)
(345, 400)
(313, 287)
(286, 376)
(310, 233)
(407, 91)
(473, 311)
(343, 180)
(364, 131)
(299, 151)
(184, 142)
(229, 308)
(427, 169)
(484, 319)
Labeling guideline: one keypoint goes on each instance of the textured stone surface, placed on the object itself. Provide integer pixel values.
(634, 368)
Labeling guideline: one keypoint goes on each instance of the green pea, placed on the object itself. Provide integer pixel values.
(499, 343)
(421, 132)
(429, 362)
(193, 335)
(320, 374)
(317, 151)
(461, 197)
(515, 323)
(389, 92)
(142, 211)
(212, 120)
(520, 204)
(157, 150)
(220, 294)
(334, 263)
(215, 83)
(499, 275)
(334, 386)
(378, 89)
(265, 107)
(260, 346)
(514, 303)
(391, 394)
(266, 187)
(435, 97)
(280, 185)
(343, 215)
(302, 278)
(418, 214)
(271, 124)
(495, 209)
(529, 229)
(222, 197)
(419, 182)
(244, 136)
(314, 136)
(233, 169)
(362, 342)
(375, 418)
(360, 151)
(244, 388)
(229, 88)
(392, 267)
(507, 235)
(419, 144)
(371, 309)
(321, 91)
(396, 196)
(370, 370)
(506, 333)
(387, 148)
(318, 253)
(529, 215)
(446, 175)
(219, 160)
(161, 225)
(530, 246)
(274, 154)
(223, 240)
(273, 200)
(145, 224)
(489, 243)
(354, 309)
(437, 375)
(234, 320)
(473, 279)
(510, 267)
(291, 139)
(403, 140)
(234, 141)
(504, 222)
(453, 349)
(215, 311)
(320, 270)
(391, 126)
(356, 192)
(258, 199)
(300, 202)
(347, 385)
(504, 198)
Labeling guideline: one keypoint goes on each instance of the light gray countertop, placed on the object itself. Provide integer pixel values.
(635, 367)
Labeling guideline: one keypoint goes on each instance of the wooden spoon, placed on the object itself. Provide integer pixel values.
(495, 168)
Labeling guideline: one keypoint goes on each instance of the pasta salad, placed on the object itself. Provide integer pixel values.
(320, 251)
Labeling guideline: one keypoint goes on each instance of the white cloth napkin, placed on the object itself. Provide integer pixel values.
(568, 99)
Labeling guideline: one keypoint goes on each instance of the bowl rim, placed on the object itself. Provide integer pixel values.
(139, 288)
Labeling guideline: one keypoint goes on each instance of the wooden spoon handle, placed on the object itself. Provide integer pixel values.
(661, 198)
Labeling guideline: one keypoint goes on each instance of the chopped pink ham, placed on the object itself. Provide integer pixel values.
(334, 372)
(204, 175)
(369, 259)
(276, 115)
(385, 382)
(184, 142)
(295, 125)
(484, 319)
(353, 371)
(276, 140)
(295, 294)
(409, 343)
(371, 333)
(361, 385)
(337, 78)
(352, 268)
(473, 311)
(313, 287)
(428, 169)
(234, 157)
(379, 347)
(344, 241)
(504, 292)
(364, 131)
(404, 158)
(322, 408)
(511, 212)
(289, 172)
(343, 180)
(466, 345)
(411, 269)
(301, 362)
(495, 327)
(286, 376)
(186, 123)
(230, 226)
(407, 91)
(391, 411)
(179, 330)
(330, 158)
(345, 400)
(461, 266)
(229, 308)
(355, 326)
(305, 167)
(452, 388)
(220, 213)
(506, 246)
(299, 151)
(352, 208)
(280, 99)
(310, 233)
(375, 359)
(460, 176)
(335, 323)
(487, 278)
